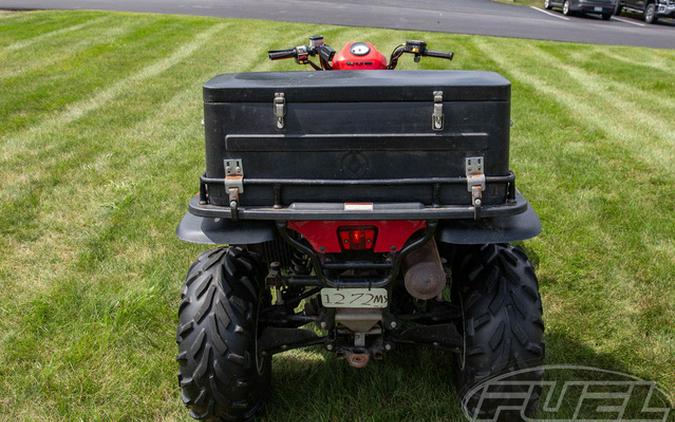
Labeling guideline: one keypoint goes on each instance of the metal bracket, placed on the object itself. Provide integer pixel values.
(234, 182)
(280, 109)
(475, 181)
(437, 116)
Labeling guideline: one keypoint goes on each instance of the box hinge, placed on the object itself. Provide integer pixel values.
(475, 181)
(280, 109)
(234, 182)
(437, 117)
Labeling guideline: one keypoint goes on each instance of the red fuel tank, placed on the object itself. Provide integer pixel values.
(359, 56)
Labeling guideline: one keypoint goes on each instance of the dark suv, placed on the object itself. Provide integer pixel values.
(651, 10)
(570, 7)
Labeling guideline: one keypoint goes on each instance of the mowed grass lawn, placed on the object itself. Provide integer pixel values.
(101, 147)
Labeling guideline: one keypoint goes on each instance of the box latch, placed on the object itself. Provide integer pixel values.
(437, 117)
(280, 109)
(475, 181)
(234, 182)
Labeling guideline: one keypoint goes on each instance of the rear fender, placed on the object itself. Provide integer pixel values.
(222, 231)
(490, 230)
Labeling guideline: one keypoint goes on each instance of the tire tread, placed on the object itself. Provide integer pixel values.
(503, 326)
(215, 335)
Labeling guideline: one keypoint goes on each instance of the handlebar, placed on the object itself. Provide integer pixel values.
(303, 53)
(282, 54)
(439, 54)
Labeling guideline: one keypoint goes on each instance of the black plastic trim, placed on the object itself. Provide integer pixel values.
(220, 231)
(491, 230)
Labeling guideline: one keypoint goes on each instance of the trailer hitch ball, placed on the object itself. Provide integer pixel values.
(424, 277)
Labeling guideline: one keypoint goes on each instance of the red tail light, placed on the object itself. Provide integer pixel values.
(357, 238)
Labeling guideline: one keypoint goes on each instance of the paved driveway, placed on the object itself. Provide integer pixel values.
(460, 16)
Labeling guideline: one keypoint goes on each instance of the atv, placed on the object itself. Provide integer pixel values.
(362, 208)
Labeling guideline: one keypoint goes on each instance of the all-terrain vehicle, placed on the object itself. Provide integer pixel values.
(362, 208)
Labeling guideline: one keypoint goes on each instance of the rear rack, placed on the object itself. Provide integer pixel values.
(335, 211)
(514, 202)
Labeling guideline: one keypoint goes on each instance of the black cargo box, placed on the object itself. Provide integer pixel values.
(308, 142)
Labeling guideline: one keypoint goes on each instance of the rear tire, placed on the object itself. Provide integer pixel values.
(222, 376)
(566, 8)
(650, 13)
(547, 5)
(502, 324)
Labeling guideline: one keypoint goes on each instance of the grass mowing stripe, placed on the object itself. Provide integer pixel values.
(53, 88)
(77, 110)
(643, 57)
(655, 65)
(27, 25)
(652, 86)
(620, 130)
(28, 42)
(27, 142)
(107, 35)
(56, 87)
(618, 97)
(27, 192)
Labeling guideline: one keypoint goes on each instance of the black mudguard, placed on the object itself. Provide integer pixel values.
(221, 231)
(490, 230)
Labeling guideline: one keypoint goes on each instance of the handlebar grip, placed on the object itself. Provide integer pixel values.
(439, 54)
(282, 54)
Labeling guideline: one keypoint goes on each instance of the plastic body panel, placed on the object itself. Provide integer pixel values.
(357, 125)
(372, 60)
(390, 236)
(221, 231)
(491, 230)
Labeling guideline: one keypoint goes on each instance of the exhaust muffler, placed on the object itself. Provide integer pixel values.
(425, 277)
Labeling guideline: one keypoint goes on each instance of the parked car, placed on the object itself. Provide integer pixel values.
(569, 7)
(651, 10)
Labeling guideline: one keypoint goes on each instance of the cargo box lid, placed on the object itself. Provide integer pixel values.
(358, 86)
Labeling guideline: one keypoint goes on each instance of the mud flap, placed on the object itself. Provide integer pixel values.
(491, 230)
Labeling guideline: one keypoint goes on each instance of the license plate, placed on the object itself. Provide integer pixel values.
(598, 9)
(354, 298)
